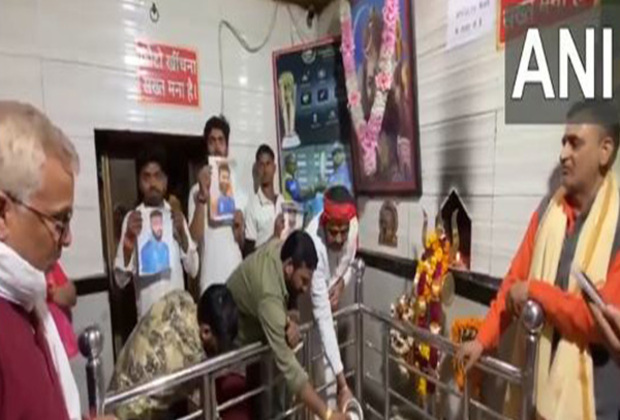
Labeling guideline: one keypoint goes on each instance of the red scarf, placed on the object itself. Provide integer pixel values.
(337, 212)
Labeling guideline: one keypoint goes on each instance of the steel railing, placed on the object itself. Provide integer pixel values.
(91, 343)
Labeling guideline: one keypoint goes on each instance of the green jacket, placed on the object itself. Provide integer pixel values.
(259, 290)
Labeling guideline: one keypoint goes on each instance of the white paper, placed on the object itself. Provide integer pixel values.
(222, 205)
(469, 20)
(155, 243)
(293, 218)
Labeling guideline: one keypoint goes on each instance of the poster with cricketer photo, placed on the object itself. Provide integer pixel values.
(222, 200)
(293, 215)
(155, 242)
(313, 123)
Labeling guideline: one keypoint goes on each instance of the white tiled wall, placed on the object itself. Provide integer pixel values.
(500, 171)
(76, 61)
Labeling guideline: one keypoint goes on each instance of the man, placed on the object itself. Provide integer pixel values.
(265, 205)
(575, 226)
(183, 254)
(340, 174)
(262, 287)
(38, 165)
(218, 323)
(292, 188)
(225, 203)
(155, 255)
(334, 233)
(220, 244)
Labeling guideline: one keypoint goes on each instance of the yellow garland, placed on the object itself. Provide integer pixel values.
(460, 327)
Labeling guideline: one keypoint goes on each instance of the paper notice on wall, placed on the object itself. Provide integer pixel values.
(469, 20)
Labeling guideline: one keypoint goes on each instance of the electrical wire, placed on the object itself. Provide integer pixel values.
(241, 39)
(294, 22)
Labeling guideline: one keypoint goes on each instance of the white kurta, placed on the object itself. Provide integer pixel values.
(149, 291)
(331, 267)
(260, 217)
(219, 252)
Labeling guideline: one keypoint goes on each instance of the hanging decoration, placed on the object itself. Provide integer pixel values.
(424, 305)
(368, 131)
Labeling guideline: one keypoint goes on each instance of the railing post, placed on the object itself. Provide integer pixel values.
(91, 345)
(308, 362)
(209, 404)
(533, 319)
(360, 267)
(386, 370)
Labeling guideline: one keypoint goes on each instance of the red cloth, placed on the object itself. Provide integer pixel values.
(337, 212)
(29, 385)
(228, 387)
(56, 277)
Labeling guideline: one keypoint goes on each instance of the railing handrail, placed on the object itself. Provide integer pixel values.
(234, 357)
(488, 363)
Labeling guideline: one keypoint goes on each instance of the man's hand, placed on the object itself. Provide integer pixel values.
(469, 353)
(239, 228)
(178, 222)
(204, 183)
(338, 416)
(608, 322)
(293, 337)
(517, 297)
(134, 226)
(278, 226)
(335, 292)
(344, 396)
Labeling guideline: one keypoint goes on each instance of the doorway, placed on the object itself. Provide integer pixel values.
(117, 152)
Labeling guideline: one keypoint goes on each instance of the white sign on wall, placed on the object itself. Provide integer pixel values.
(469, 20)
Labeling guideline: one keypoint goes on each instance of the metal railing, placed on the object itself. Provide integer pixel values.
(91, 343)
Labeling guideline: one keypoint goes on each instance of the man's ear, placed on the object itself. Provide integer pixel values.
(288, 268)
(607, 152)
(5, 203)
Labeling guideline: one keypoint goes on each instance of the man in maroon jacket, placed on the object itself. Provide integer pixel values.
(38, 165)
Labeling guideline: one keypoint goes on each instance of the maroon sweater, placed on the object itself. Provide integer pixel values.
(29, 385)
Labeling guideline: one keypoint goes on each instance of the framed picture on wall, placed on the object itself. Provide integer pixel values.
(398, 145)
(313, 123)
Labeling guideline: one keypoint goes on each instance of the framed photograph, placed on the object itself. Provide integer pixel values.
(398, 155)
(154, 243)
(222, 200)
(293, 218)
(313, 123)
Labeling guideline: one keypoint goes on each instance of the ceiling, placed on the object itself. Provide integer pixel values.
(319, 5)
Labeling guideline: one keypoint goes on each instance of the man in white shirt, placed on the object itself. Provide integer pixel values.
(265, 206)
(220, 245)
(334, 233)
(153, 184)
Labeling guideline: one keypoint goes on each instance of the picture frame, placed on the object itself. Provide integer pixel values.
(398, 156)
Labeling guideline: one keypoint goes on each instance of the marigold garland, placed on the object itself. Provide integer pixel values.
(463, 330)
(423, 308)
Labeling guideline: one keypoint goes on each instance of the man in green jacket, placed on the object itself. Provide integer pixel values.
(262, 287)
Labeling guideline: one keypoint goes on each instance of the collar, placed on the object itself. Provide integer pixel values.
(262, 198)
(165, 205)
(20, 282)
(572, 218)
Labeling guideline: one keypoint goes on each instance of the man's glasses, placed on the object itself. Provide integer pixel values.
(61, 224)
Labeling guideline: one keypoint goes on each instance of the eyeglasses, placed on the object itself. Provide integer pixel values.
(61, 224)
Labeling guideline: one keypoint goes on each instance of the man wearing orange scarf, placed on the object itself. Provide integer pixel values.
(334, 233)
(577, 225)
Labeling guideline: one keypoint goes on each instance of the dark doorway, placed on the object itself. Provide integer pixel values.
(117, 152)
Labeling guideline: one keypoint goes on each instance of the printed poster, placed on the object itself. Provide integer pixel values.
(468, 20)
(168, 74)
(293, 215)
(222, 206)
(313, 123)
(154, 243)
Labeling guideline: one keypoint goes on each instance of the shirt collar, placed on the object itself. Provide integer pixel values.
(262, 199)
(572, 218)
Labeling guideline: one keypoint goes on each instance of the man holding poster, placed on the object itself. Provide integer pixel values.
(220, 243)
(164, 248)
